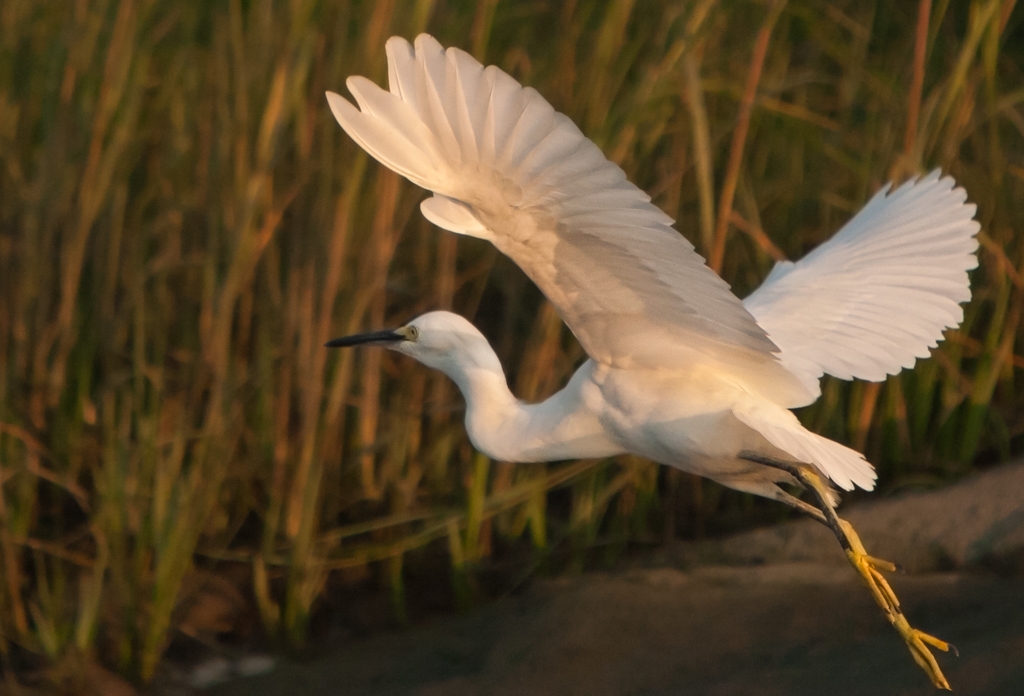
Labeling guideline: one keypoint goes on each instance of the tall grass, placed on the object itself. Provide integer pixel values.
(183, 225)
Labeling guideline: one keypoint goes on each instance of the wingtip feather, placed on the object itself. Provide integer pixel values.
(340, 107)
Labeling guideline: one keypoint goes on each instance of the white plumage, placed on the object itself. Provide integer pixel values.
(878, 294)
(680, 369)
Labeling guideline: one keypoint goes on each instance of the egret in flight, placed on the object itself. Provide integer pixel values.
(680, 370)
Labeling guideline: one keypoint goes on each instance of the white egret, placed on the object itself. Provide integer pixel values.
(679, 370)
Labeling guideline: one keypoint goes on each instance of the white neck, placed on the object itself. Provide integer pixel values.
(565, 426)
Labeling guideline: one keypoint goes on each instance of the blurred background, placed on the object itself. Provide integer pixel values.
(183, 225)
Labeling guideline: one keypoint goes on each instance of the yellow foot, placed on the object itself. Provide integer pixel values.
(870, 570)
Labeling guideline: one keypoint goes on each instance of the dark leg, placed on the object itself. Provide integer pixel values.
(869, 567)
(826, 514)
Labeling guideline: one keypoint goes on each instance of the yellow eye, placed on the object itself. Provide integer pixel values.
(412, 333)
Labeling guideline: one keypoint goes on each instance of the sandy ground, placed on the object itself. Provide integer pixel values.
(751, 615)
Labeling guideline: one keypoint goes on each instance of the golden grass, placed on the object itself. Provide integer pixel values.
(182, 226)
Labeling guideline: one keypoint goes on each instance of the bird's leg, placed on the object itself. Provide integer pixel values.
(869, 567)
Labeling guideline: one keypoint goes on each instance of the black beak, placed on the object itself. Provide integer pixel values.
(372, 338)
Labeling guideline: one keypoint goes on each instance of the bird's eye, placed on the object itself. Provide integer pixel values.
(412, 333)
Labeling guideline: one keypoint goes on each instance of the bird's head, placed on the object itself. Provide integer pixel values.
(441, 340)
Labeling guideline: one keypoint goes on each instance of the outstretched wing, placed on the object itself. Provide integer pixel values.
(505, 166)
(879, 294)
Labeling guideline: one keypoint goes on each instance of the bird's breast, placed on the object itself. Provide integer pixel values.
(673, 416)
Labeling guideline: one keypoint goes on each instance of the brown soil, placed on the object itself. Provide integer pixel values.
(782, 626)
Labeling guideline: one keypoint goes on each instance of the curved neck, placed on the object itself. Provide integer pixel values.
(489, 402)
(565, 426)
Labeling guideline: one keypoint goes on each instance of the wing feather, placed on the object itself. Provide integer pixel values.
(879, 294)
(505, 166)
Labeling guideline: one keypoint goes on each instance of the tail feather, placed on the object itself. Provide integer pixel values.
(845, 467)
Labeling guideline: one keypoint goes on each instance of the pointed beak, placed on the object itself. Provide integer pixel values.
(374, 338)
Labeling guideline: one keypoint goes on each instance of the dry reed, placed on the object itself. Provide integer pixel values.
(182, 225)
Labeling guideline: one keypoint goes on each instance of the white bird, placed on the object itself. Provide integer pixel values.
(680, 370)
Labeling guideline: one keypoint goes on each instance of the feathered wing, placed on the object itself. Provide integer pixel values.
(877, 295)
(505, 166)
